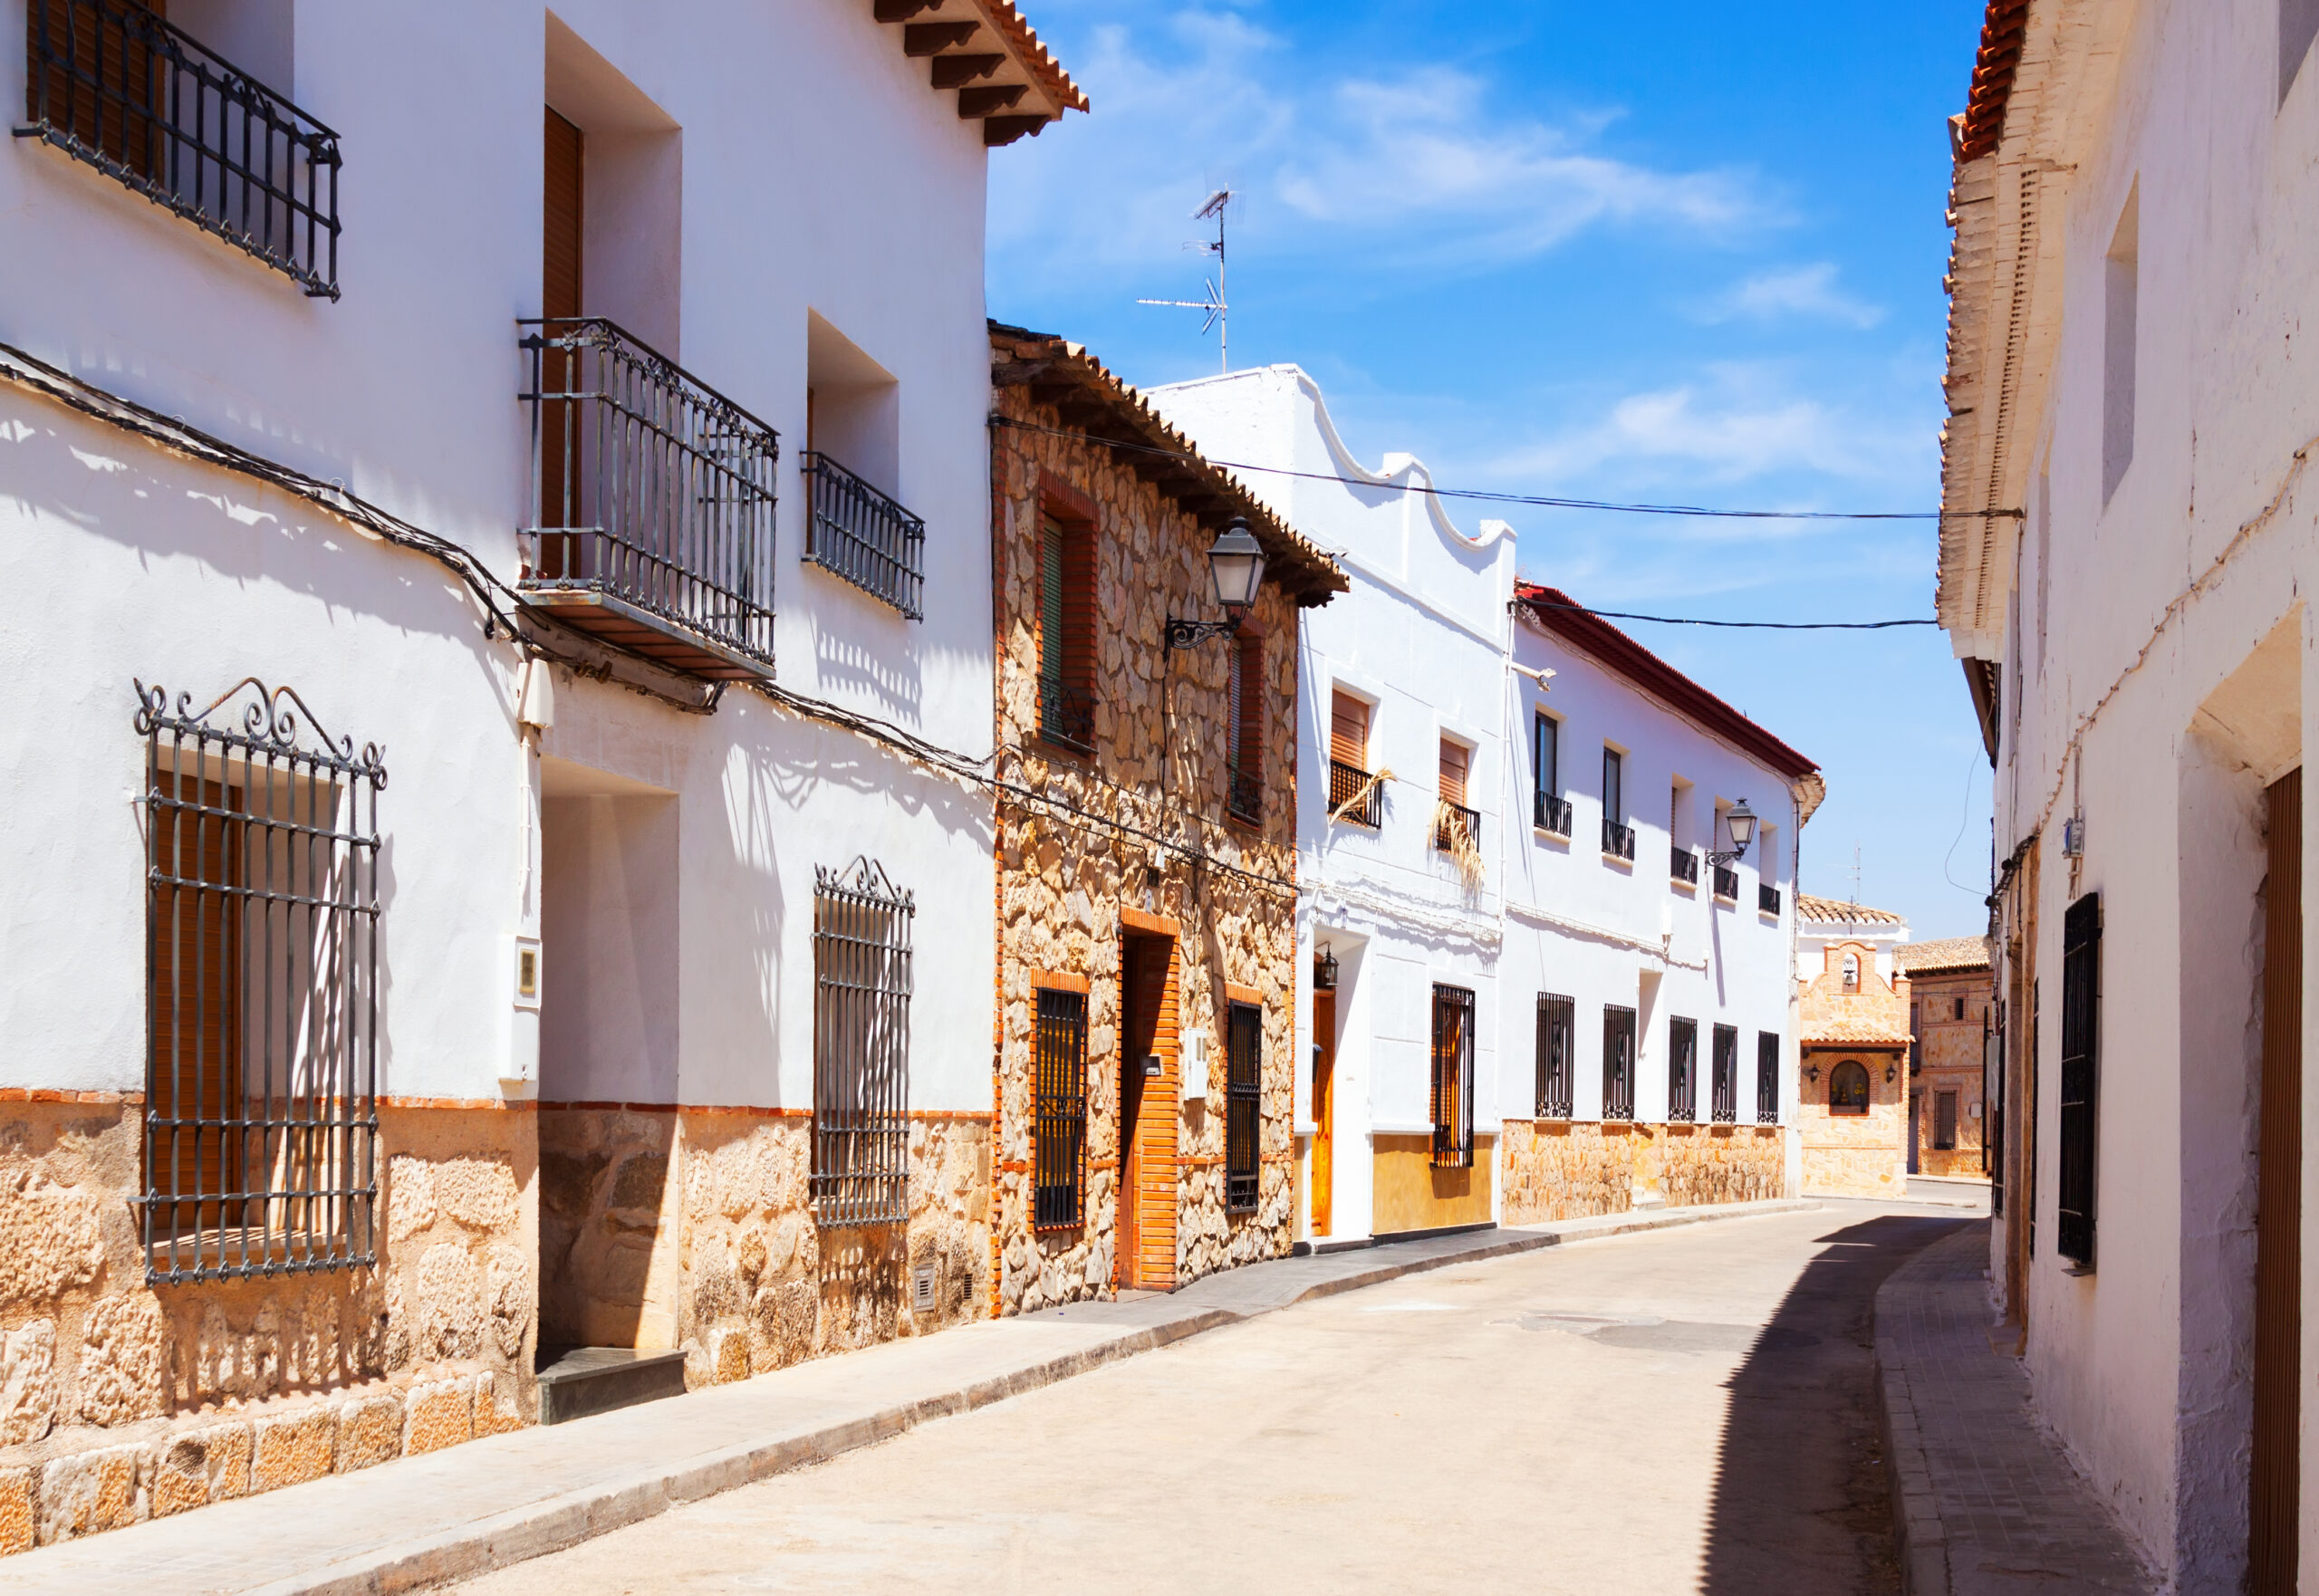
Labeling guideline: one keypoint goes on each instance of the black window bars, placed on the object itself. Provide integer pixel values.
(1553, 814)
(1723, 1087)
(1244, 794)
(261, 1115)
(1618, 1063)
(1558, 1034)
(1766, 1078)
(1618, 840)
(1456, 826)
(1682, 1070)
(1347, 781)
(651, 492)
(1243, 1105)
(111, 83)
(861, 992)
(1766, 899)
(1059, 1110)
(1727, 883)
(1453, 1078)
(1683, 865)
(863, 536)
(2081, 1043)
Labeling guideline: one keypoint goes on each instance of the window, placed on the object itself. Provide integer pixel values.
(260, 1150)
(1456, 829)
(1766, 1078)
(1960, 1010)
(1617, 837)
(1243, 1104)
(1353, 795)
(2121, 315)
(1848, 1088)
(862, 990)
(1244, 789)
(1067, 636)
(1453, 1078)
(1851, 972)
(2298, 24)
(1682, 1070)
(1916, 1040)
(2080, 1040)
(1551, 810)
(1557, 1038)
(1724, 1091)
(1618, 1063)
(1059, 1123)
(1944, 1122)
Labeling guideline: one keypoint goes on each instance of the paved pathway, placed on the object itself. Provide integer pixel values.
(1690, 1409)
(1991, 1505)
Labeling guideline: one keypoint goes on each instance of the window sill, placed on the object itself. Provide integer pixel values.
(1689, 889)
(1056, 746)
(1620, 859)
(1545, 833)
(1729, 902)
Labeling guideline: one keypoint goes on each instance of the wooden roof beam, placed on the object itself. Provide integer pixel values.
(932, 38)
(955, 72)
(983, 101)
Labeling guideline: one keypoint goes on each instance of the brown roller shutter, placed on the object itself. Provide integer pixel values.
(1348, 731)
(559, 445)
(1454, 760)
(559, 218)
(2272, 1542)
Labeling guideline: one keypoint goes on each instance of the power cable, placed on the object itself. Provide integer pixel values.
(1745, 625)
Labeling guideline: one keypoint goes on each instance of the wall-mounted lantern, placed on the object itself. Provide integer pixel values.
(1742, 822)
(1324, 971)
(1236, 570)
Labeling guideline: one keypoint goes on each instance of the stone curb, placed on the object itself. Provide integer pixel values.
(1922, 1539)
(538, 1528)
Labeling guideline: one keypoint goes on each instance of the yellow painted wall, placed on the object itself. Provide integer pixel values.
(1410, 1194)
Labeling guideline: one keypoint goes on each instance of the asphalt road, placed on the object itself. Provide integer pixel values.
(1685, 1411)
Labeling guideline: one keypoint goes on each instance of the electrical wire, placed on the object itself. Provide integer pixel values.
(1738, 625)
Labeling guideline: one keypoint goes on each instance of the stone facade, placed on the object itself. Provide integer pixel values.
(1951, 999)
(1565, 1170)
(1850, 1013)
(121, 1401)
(1131, 835)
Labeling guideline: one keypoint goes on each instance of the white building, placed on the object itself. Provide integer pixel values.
(1823, 922)
(546, 1005)
(2132, 536)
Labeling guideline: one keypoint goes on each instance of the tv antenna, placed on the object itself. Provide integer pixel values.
(1216, 314)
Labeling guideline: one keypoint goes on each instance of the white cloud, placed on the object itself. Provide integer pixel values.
(1731, 429)
(1804, 291)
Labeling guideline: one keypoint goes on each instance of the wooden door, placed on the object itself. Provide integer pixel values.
(2272, 1542)
(1325, 1072)
(1147, 1213)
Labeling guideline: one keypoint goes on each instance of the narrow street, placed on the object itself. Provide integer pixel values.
(1687, 1410)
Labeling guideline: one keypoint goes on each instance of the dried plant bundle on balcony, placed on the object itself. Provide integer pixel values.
(1451, 824)
(1360, 798)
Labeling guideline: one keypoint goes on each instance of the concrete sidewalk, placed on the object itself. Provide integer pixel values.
(453, 1514)
(1984, 1502)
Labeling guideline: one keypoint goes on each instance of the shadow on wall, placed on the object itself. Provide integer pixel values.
(1801, 1503)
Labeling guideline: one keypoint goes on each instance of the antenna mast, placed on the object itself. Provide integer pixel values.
(1218, 315)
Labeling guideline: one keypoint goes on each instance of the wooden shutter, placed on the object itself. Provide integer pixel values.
(1455, 757)
(560, 218)
(1348, 731)
(1247, 705)
(559, 297)
(194, 1076)
(1051, 603)
(2275, 1488)
(1944, 1120)
(104, 85)
(2081, 1042)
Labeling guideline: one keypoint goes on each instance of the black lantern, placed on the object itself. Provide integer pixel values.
(1236, 570)
(1324, 971)
(1742, 822)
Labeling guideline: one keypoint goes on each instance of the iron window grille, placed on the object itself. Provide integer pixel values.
(1244, 794)
(1682, 1070)
(1243, 1076)
(1727, 883)
(2080, 1040)
(1618, 840)
(1059, 1127)
(651, 491)
(1683, 865)
(1723, 1087)
(113, 84)
(1066, 715)
(1618, 1063)
(1944, 1122)
(1553, 814)
(1766, 1078)
(862, 993)
(1766, 899)
(1347, 781)
(1558, 1034)
(261, 1119)
(1453, 1078)
(863, 536)
(1457, 825)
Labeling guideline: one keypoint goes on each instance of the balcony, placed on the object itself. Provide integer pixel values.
(1244, 796)
(1727, 883)
(861, 535)
(1618, 840)
(1766, 899)
(111, 83)
(1349, 781)
(652, 498)
(1684, 866)
(1553, 814)
(1066, 715)
(1456, 829)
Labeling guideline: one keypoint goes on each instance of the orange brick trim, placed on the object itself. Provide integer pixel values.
(1137, 920)
(1014, 1166)
(521, 1105)
(753, 1111)
(1249, 995)
(1065, 501)
(1057, 981)
(49, 1094)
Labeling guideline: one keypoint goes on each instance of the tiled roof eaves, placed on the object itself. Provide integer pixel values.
(1036, 59)
(1556, 612)
(1982, 125)
(1811, 908)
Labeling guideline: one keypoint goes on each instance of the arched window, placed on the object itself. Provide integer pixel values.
(1848, 1089)
(1851, 972)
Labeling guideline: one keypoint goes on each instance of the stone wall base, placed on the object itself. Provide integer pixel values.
(1567, 1169)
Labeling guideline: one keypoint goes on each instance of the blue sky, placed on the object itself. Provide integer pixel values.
(1686, 252)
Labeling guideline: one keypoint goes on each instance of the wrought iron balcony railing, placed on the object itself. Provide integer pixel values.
(652, 499)
(1066, 715)
(863, 536)
(1346, 782)
(1766, 899)
(1684, 866)
(1244, 795)
(1457, 827)
(1618, 840)
(111, 83)
(1727, 883)
(1553, 814)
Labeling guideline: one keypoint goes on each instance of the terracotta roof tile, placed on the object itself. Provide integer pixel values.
(1949, 953)
(1982, 124)
(1835, 909)
(1853, 1033)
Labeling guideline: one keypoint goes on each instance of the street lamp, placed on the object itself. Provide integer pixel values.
(1236, 569)
(1324, 970)
(1742, 822)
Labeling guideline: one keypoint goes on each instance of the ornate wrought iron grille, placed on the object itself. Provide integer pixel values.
(861, 991)
(1618, 1063)
(2080, 1040)
(1557, 1036)
(1059, 1128)
(1618, 840)
(1682, 1069)
(262, 982)
(1457, 824)
(1766, 1078)
(1243, 1082)
(1553, 814)
(1347, 780)
(1723, 1087)
(1453, 1078)
(1066, 715)
(1244, 794)
(648, 488)
(1766, 898)
(1683, 865)
(1727, 883)
(111, 83)
(863, 536)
